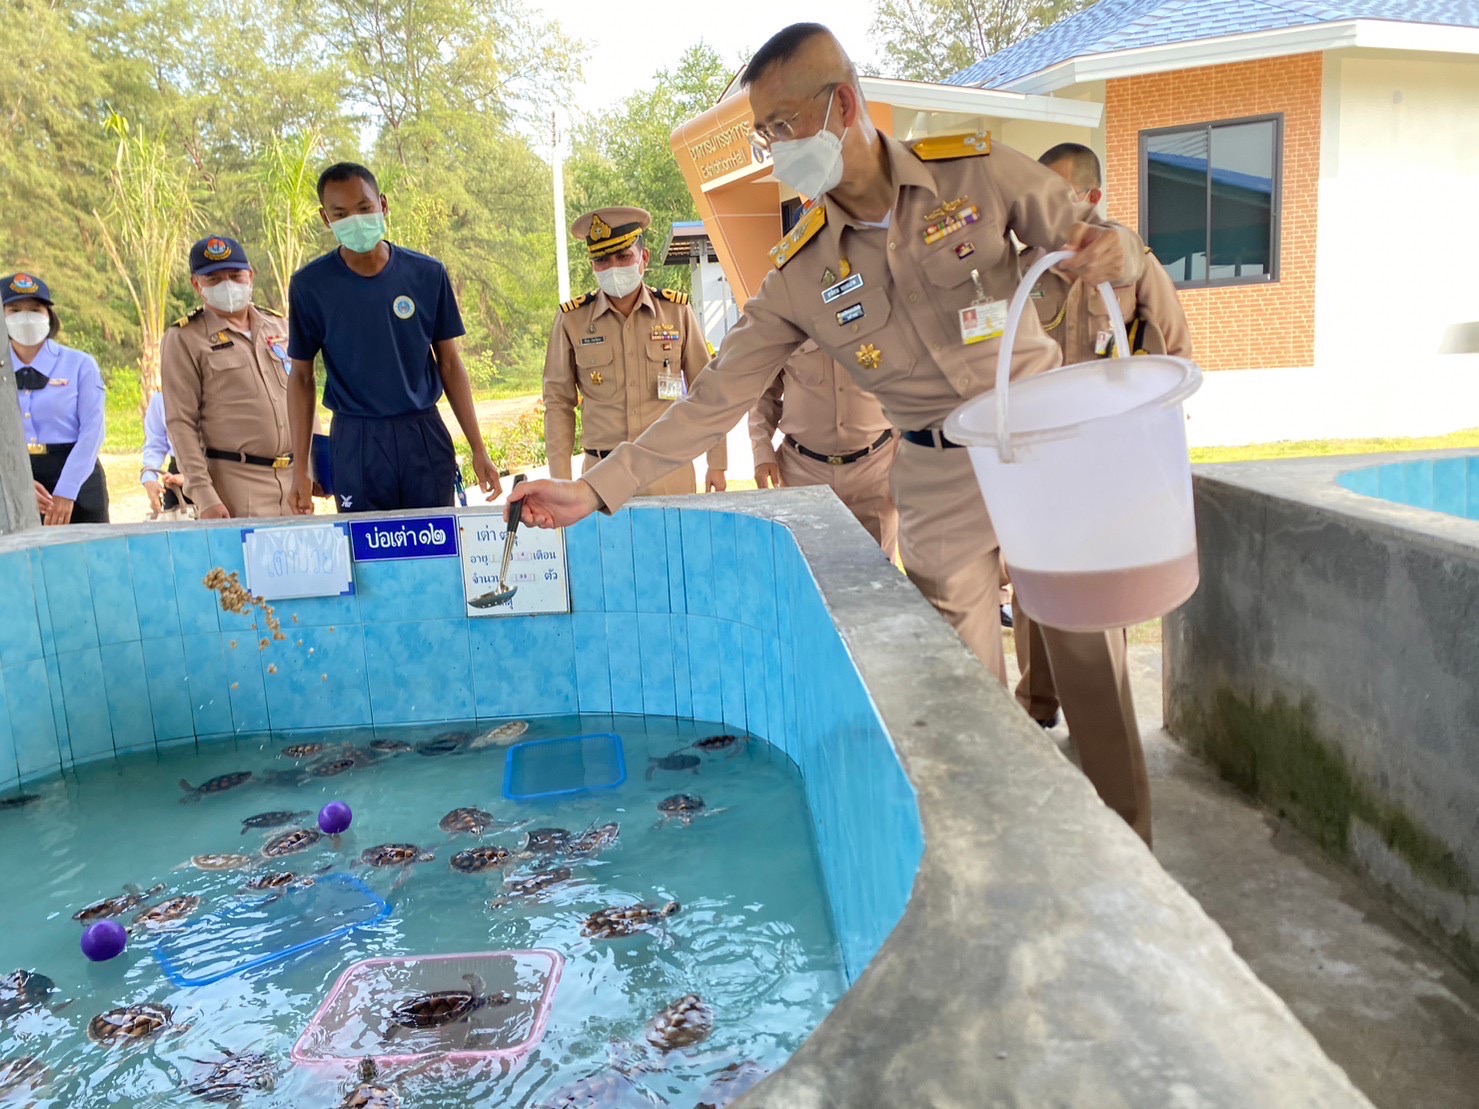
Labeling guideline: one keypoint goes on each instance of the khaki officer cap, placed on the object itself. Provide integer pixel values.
(608, 231)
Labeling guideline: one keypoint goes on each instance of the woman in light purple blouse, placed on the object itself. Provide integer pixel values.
(62, 403)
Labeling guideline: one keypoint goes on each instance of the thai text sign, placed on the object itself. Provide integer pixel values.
(418, 537)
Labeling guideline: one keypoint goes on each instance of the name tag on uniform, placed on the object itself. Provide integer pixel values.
(57, 381)
(842, 288)
(983, 320)
(850, 313)
(665, 334)
(596, 339)
(1102, 340)
(670, 383)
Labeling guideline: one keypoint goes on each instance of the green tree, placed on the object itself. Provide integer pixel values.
(928, 40)
(287, 172)
(146, 232)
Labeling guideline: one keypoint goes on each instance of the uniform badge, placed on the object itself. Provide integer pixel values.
(869, 356)
(220, 341)
(597, 378)
(828, 277)
(23, 283)
(217, 250)
(965, 249)
(844, 267)
(600, 229)
(403, 306)
(849, 314)
(949, 208)
(590, 342)
(665, 334)
(842, 288)
(949, 225)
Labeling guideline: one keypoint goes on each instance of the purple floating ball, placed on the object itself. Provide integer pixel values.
(334, 818)
(104, 940)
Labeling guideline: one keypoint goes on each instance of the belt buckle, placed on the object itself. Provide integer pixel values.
(282, 462)
(35, 448)
(835, 460)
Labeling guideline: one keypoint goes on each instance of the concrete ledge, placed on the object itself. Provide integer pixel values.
(1327, 666)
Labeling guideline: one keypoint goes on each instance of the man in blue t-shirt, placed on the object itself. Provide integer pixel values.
(386, 321)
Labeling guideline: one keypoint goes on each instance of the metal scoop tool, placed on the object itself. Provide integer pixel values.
(505, 592)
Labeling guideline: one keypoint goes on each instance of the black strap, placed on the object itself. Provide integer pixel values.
(597, 454)
(840, 459)
(242, 456)
(929, 438)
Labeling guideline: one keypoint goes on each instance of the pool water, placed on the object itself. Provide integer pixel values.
(752, 938)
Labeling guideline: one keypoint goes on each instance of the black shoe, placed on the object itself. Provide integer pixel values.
(1006, 617)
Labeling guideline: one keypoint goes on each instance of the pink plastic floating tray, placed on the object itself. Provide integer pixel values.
(354, 1020)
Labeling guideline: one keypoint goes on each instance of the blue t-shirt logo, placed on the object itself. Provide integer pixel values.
(404, 307)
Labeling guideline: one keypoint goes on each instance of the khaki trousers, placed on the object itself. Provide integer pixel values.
(1036, 692)
(863, 486)
(671, 484)
(950, 552)
(248, 490)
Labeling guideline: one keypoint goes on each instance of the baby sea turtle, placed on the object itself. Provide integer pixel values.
(680, 806)
(274, 819)
(235, 1077)
(19, 800)
(131, 898)
(390, 747)
(731, 1084)
(290, 843)
(395, 854)
(472, 821)
(304, 750)
(676, 761)
(219, 784)
(685, 1022)
(612, 1090)
(613, 923)
(273, 881)
(442, 744)
(531, 885)
(129, 1024)
(546, 841)
(500, 736)
(594, 840)
(220, 862)
(26, 1074)
(443, 1007)
(21, 990)
(330, 767)
(370, 1093)
(711, 743)
(169, 910)
(475, 860)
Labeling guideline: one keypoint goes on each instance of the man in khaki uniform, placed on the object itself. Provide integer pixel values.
(624, 353)
(1074, 314)
(224, 371)
(835, 434)
(880, 274)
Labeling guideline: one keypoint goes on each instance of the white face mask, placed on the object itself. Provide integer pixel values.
(618, 281)
(229, 297)
(28, 329)
(813, 165)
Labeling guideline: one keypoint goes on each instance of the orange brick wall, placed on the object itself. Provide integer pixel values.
(1242, 326)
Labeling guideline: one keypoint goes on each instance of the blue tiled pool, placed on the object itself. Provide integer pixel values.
(1448, 485)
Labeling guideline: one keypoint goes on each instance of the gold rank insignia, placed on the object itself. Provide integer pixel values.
(811, 221)
(220, 338)
(597, 377)
(572, 305)
(828, 277)
(673, 295)
(183, 320)
(600, 230)
(869, 356)
(942, 147)
(949, 208)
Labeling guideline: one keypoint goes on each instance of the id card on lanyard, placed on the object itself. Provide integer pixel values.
(670, 383)
(983, 318)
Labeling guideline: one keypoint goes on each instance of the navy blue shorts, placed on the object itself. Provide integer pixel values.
(392, 462)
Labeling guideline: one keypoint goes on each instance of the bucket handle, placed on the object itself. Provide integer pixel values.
(1009, 336)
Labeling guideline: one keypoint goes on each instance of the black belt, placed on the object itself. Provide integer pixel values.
(930, 438)
(840, 459)
(281, 462)
(598, 454)
(49, 448)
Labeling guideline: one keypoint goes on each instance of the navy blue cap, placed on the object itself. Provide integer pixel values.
(216, 252)
(23, 286)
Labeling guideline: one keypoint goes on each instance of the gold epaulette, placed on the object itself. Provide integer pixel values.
(812, 220)
(673, 295)
(572, 305)
(269, 311)
(941, 147)
(183, 320)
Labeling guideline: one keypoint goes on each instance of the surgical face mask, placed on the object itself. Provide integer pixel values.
(813, 165)
(360, 233)
(28, 329)
(229, 297)
(618, 281)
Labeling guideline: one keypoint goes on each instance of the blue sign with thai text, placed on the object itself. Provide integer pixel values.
(420, 537)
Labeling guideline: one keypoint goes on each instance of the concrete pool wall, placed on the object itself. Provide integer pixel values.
(1009, 941)
(1328, 663)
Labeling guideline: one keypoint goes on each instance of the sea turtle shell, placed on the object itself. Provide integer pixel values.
(129, 1023)
(24, 989)
(275, 819)
(219, 784)
(731, 1084)
(235, 1077)
(594, 840)
(169, 910)
(685, 1022)
(370, 1094)
(131, 898)
(273, 881)
(466, 820)
(390, 747)
(220, 862)
(500, 736)
(290, 843)
(547, 841)
(717, 742)
(395, 854)
(442, 744)
(25, 1073)
(475, 860)
(532, 885)
(432, 1010)
(329, 767)
(304, 750)
(19, 800)
(680, 803)
(612, 923)
(613, 1090)
(676, 761)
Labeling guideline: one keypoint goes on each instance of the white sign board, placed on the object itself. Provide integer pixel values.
(538, 567)
(309, 561)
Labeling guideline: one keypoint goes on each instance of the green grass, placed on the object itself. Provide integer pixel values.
(125, 419)
(1312, 448)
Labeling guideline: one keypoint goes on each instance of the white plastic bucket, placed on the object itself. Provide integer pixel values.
(1085, 473)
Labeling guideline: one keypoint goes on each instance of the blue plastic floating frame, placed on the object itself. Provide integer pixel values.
(220, 945)
(541, 768)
